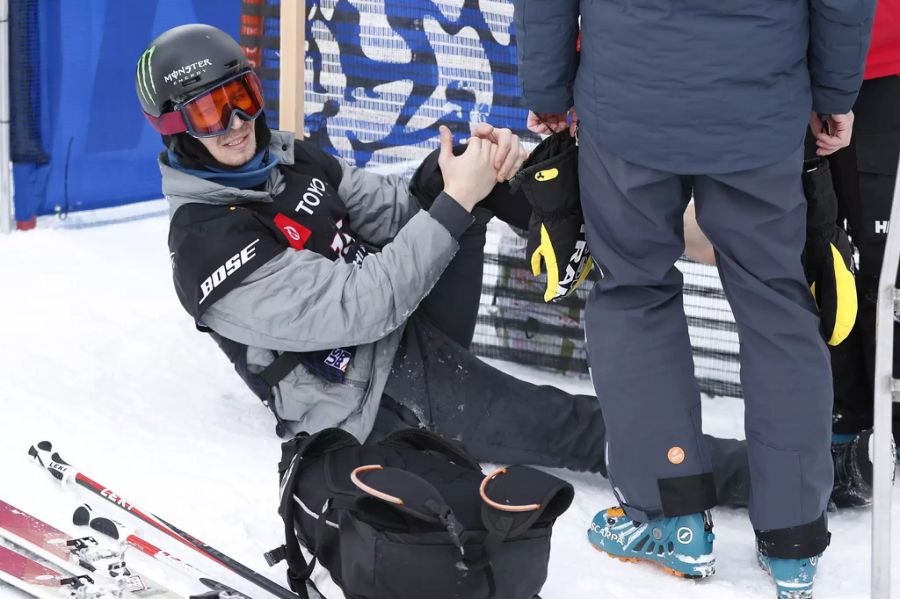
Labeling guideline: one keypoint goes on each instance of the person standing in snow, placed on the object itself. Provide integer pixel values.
(864, 176)
(710, 100)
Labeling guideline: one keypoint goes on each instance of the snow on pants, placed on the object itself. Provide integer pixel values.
(436, 382)
(640, 352)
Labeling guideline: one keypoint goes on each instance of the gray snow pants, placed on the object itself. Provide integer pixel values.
(640, 354)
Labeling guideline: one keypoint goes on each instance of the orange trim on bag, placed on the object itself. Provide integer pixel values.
(366, 488)
(500, 506)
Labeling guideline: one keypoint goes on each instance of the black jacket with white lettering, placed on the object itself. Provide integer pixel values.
(215, 247)
(262, 306)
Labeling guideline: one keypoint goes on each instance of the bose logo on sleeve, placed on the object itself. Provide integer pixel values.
(231, 265)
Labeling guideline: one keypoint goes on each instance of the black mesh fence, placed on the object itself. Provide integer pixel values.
(515, 323)
(24, 92)
(381, 76)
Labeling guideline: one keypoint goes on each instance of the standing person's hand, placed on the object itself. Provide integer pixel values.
(833, 133)
(469, 177)
(546, 123)
(509, 155)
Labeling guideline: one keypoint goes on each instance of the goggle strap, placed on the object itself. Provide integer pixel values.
(168, 123)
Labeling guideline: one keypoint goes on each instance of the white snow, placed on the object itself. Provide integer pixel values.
(98, 357)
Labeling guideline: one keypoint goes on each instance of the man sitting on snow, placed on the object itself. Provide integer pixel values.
(342, 298)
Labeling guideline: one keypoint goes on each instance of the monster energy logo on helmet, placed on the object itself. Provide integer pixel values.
(145, 75)
(184, 61)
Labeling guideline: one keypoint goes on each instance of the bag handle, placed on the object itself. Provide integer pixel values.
(512, 503)
(354, 478)
(503, 507)
(408, 493)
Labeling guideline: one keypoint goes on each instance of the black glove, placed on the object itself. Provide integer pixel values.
(427, 182)
(828, 254)
(556, 233)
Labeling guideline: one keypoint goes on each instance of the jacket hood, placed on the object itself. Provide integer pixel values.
(181, 188)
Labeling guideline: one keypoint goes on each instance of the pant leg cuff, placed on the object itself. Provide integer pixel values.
(796, 542)
(685, 495)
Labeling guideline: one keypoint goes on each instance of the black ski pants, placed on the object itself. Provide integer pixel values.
(864, 176)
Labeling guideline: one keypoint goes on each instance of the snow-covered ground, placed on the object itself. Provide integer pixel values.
(97, 356)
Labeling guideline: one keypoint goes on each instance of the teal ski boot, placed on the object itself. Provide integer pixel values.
(793, 577)
(681, 545)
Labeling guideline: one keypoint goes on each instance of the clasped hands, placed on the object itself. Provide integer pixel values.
(492, 156)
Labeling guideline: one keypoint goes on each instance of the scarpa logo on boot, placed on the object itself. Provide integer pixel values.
(605, 532)
(684, 535)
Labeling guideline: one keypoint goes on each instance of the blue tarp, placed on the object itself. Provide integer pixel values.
(102, 152)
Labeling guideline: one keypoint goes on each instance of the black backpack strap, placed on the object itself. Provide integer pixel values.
(513, 500)
(408, 493)
(275, 372)
(293, 452)
(290, 551)
(422, 440)
(299, 580)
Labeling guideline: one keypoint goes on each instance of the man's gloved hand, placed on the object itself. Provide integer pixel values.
(828, 255)
(556, 232)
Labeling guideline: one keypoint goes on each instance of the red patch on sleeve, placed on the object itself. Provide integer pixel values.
(296, 234)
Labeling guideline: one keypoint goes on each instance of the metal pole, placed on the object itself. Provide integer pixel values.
(886, 392)
(6, 202)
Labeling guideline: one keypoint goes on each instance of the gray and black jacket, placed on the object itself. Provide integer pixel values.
(259, 269)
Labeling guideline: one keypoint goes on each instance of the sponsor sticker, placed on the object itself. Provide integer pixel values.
(296, 234)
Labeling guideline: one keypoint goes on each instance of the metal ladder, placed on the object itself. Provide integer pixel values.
(887, 391)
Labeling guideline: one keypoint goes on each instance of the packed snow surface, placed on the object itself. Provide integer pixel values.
(98, 357)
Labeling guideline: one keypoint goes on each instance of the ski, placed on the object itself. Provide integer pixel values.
(122, 533)
(43, 455)
(76, 556)
(42, 581)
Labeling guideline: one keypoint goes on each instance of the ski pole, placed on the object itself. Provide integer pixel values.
(64, 472)
(120, 532)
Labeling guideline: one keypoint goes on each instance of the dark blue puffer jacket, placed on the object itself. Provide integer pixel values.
(694, 86)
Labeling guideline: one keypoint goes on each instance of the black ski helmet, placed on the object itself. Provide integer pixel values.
(184, 62)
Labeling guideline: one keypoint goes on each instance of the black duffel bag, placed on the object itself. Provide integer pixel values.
(414, 516)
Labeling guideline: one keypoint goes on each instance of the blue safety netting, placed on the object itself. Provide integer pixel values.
(79, 139)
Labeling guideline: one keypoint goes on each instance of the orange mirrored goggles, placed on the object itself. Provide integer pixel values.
(210, 113)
